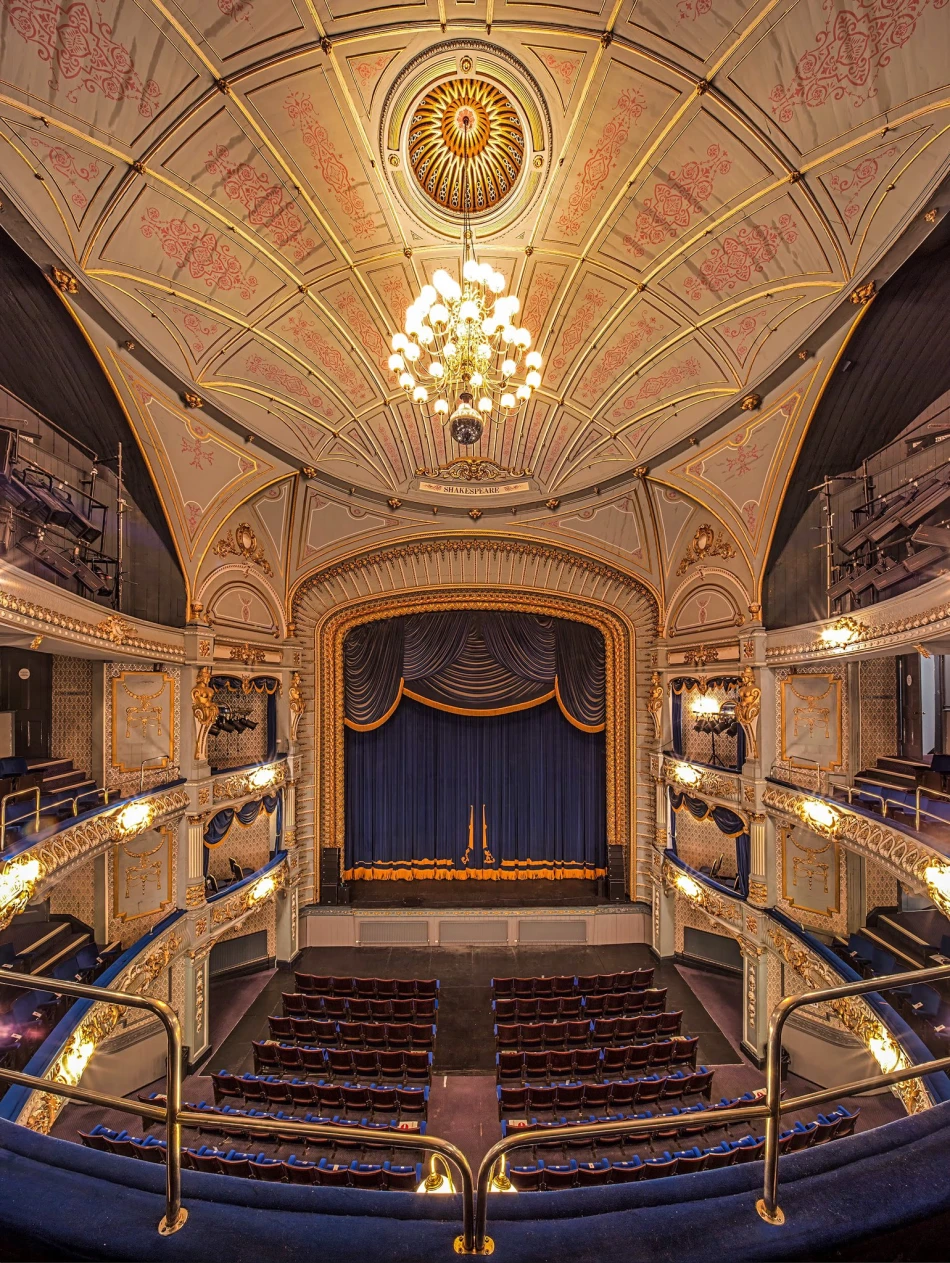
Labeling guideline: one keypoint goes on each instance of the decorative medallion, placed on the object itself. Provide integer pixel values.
(471, 469)
(463, 120)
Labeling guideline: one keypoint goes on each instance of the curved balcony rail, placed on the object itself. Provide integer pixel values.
(891, 627)
(704, 779)
(175, 1117)
(869, 1019)
(230, 905)
(37, 861)
(234, 784)
(919, 861)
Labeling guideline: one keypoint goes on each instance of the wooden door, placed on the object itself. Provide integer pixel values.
(908, 692)
(26, 688)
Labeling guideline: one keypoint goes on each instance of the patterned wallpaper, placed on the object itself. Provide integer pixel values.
(878, 703)
(250, 847)
(72, 711)
(698, 745)
(264, 918)
(74, 895)
(235, 749)
(880, 887)
(699, 843)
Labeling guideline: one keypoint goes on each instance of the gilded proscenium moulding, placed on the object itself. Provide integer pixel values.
(205, 711)
(297, 704)
(246, 784)
(57, 854)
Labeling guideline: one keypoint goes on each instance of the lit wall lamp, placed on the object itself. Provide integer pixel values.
(705, 704)
(686, 774)
(842, 633)
(690, 888)
(134, 818)
(885, 1052)
(937, 877)
(819, 816)
(261, 777)
(75, 1059)
(434, 1182)
(17, 883)
(261, 889)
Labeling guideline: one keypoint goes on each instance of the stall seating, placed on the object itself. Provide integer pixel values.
(582, 1033)
(378, 1065)
(394, 1177)
(300, 1004)
(565, 985)
(388, 1035)
(384, 1098)
(563, 1098)
(595, 1063)
(607, 1004)
(367, 988)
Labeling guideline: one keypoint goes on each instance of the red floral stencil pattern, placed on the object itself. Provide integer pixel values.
(852, 48)
(263, 200)
(602, 160)
(193, 247)
(750, 250)
(300, 109)
(676, 200)
(80, 46)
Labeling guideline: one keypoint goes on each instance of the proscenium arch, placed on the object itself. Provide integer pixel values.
(481, 573)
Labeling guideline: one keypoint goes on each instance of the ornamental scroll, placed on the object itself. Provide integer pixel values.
(143, 720)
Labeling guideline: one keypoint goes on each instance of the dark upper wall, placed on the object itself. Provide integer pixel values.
(897, 362)
(46, 362)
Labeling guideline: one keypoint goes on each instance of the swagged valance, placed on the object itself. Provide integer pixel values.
(473, 662)
(726, 821)
(219, 826)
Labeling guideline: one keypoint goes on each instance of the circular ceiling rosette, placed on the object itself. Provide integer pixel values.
(466, 127)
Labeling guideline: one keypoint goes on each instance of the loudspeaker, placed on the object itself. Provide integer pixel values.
(615, 885)
(330, 884)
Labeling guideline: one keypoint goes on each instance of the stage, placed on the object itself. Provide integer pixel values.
(536, 893)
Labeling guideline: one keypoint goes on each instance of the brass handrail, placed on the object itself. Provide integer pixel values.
(771, 1108)
(175, 1117)
(768, 1207)
(175, 1214)
(100, 789)
(18, 793)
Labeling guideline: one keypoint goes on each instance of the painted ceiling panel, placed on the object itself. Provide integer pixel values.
(748, 210)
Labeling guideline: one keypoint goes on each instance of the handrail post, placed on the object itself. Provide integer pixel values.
(768, 1206)
(175, 1213)
(8, 798)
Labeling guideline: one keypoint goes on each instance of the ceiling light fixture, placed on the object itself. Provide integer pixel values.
(461, 356)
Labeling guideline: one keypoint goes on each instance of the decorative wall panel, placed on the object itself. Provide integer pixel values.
(811, 878)
(811, 719)
(141, 720)
(142, 876)
(72, 711)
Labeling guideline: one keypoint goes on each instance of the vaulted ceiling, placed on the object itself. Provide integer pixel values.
(701, 182)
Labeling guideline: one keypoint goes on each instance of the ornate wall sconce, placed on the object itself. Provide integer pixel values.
(687, 886)
(134, 819)
(818, 816)
(261, 890)
(937, 877)
(17, 882)
(840, 634)
(885, 1052)
(260, 778)
(685, 774)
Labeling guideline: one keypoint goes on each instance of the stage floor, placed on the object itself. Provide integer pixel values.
(535, 893)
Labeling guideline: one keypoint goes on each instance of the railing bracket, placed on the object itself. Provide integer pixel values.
(167, 1230)
(775, 1220)
(459, 1246)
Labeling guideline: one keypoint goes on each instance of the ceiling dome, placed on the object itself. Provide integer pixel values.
(466, 128)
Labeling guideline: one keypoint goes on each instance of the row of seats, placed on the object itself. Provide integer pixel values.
(260, 1167)
(573, 1174)
(363, 1034)
(609, 1004)
(396, 1066)
(366, 988)
(602, 1030)
(226, 1120)
(583, 1063)
(402, 1009)
(580, 984)
(376, 1097)
(517, 1098)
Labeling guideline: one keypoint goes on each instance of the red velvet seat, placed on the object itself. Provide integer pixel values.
(295, 1003)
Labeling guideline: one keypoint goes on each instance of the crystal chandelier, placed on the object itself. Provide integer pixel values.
(461, 353)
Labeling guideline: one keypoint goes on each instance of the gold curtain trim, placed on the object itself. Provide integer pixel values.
(435, 870)
(570, 718)
(461, 710)
(378, 723)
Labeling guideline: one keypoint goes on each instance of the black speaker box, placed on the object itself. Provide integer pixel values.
(330, 883)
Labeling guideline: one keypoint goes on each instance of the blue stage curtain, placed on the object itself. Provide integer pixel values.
(677, 718)
(743, 863)
(471, 661)
(372, 670)
(416, 788)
